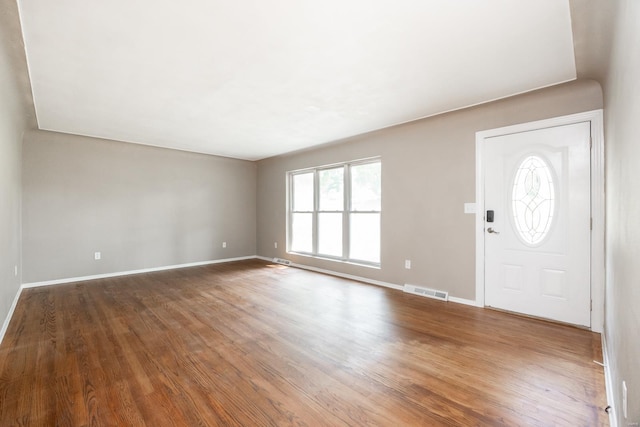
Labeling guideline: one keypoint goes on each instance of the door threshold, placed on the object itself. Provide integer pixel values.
(542, 319)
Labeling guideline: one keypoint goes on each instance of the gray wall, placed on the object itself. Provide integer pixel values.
(140, 206)
(15, 116)
(428, 170)
(606, 37)
(622, 135)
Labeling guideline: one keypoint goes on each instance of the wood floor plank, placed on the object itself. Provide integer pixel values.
(254, 344)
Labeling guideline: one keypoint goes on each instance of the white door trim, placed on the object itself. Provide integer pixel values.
(595, 117)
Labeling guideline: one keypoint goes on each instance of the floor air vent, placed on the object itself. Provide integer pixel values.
(282, 261)
(426, 292)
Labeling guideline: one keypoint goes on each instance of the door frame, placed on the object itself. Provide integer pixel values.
(595, 117)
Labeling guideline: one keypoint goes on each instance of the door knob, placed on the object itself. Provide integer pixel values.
(492, 231)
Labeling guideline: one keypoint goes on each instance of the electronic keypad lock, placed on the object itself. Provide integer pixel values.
(489, 216)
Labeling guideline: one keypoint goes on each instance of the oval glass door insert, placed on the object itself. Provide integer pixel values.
(533, 200)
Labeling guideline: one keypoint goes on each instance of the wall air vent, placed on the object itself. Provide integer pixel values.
(282, 261)
(426, 292)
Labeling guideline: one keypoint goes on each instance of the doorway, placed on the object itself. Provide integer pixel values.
(539, 194)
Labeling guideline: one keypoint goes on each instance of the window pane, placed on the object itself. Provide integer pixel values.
(331, 189)
(303, 192)
(302, 232)
(330, 234)
(365, 237)
(533, 200)
(365, 187)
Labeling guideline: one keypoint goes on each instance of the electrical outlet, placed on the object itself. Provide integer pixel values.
(15, 270)
(97, 256)
(275, 245)
(407, 264)
(224, 244)
(624, 399)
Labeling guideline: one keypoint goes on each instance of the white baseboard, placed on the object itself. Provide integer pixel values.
(608, 383)
(126, 273)
(335, 273)
(348, 276)
(365, 280)
(464, 301)
(5, 325)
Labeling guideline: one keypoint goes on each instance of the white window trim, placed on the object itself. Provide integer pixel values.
(346, 212)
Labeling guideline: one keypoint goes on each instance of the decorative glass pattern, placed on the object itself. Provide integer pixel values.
(533, 200)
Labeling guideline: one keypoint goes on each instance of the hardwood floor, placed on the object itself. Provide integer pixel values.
(252, 344)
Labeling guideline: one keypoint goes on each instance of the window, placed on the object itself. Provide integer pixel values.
(334, 212)
(533, 200)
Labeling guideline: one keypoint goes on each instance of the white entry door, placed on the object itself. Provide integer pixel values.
(537, 223)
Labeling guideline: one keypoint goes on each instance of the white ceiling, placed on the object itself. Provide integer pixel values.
(253, 78)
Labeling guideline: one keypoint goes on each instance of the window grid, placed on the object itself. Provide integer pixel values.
(346, 211)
